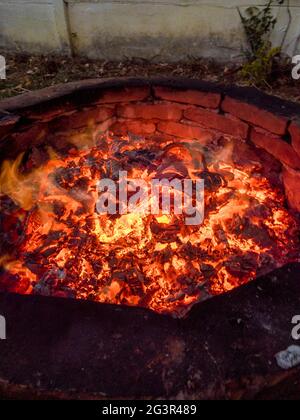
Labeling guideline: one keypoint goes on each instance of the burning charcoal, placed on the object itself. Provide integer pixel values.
(198, 161)
(177, 297)
(227, 176)
(52, 237)
(170, 169)
(59, 209)
(95, 165)
(165, 255)
(35, 267)
(7, 205)
(48, 252)
(157, 262)
(135, 279)
(49, 282)
(190, 251)
(185, 280)
(42, 288)
(119, 147)
(12, 228)
(158, 228)
(267, 263)
(259, 211)
(96, 265)
(220, 235)
(65, 177)
(165, 233)
(139, 157)
(260, 234)
(120, 275)
(81, 211)
(70, 221)
(74, 242)
(235, 225)
(212, 181)
(112, 169)
(70, 264)
(149, 155)
(82, 183)
(214, 202)
(180, 151)
(90, 223)
(113, 260)
(207, 270)
(242, 265)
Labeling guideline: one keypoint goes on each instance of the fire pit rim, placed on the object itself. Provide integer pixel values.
(73, 90)
(86, 92)
(177, 345)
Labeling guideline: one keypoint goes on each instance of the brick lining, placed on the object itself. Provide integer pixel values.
(170, 107)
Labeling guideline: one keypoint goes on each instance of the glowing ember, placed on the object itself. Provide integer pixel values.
(55, 243)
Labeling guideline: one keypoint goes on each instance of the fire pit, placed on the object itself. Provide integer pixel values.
(59, 239)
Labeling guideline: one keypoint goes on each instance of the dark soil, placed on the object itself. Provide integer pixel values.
(26, 73)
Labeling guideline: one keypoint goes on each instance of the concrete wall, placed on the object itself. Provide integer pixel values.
(33, 26)
(153, 29)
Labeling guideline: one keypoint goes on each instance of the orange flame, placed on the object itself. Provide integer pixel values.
(155, 261)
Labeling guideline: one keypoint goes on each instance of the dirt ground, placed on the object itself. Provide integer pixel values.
(27, 73)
